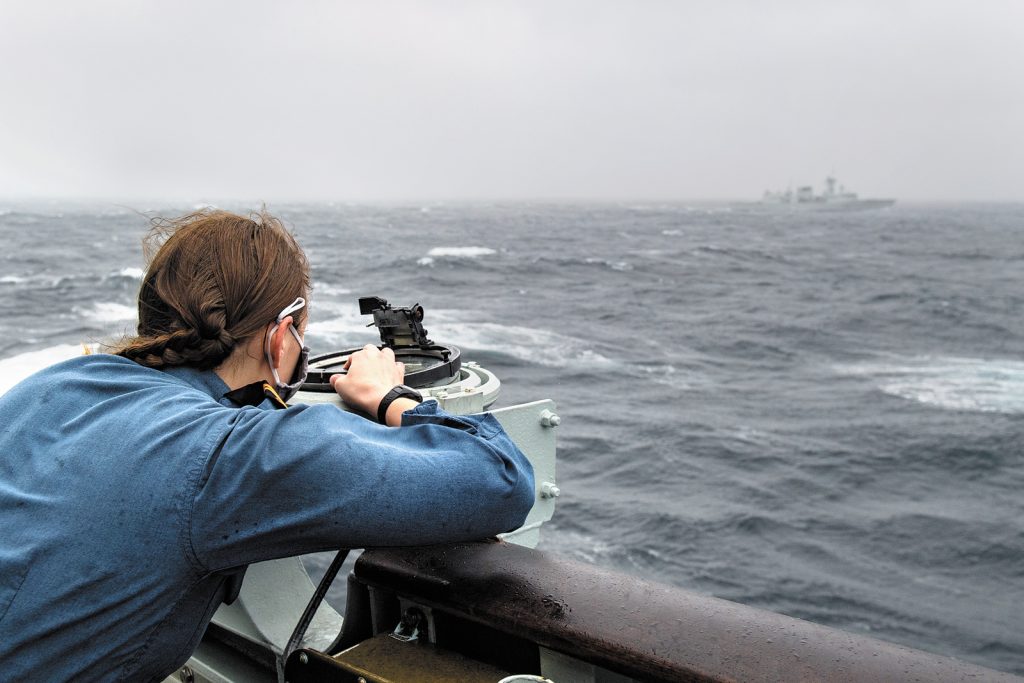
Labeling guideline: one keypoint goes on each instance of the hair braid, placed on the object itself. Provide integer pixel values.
(216, 279)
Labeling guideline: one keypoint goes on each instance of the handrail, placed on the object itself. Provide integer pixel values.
(642, 629)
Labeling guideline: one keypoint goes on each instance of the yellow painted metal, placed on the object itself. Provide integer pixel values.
(383, 659)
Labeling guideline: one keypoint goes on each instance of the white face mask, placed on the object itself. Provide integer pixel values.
(286, 391)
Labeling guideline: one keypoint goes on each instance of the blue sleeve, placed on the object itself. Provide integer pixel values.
(312, 478)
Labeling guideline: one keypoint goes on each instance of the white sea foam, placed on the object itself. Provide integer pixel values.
(136, 273)
(36, 280)
(107, 312)
(17, 368)
(345, 330)
(530, 344)
(461, 252)
(614, 265)
(330, 290)
(584, 546)
(949, 382)
(661, 374)
(348, 330)
(687, 379)
(425, 261)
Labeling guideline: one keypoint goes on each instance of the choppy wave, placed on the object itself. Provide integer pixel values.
(454, 253)
(614, 265)
(107, 312)
(51, 280)
(345, 330)
(948, 382)
(461, 252)
(330, 290)
(589, 261)
(35, 280)
(669, 375)
(529, 344)
(130, 272)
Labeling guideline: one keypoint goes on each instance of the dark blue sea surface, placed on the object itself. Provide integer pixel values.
(820, 414)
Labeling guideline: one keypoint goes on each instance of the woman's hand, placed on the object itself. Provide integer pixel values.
(372, 372)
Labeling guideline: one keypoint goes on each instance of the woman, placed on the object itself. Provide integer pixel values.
(136, 486)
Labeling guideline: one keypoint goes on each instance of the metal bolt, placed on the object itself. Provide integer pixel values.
(549, 419)
(360, 680)
(549, 490)
(303, 658)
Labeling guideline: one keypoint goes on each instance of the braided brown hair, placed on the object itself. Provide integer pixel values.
(214, 279)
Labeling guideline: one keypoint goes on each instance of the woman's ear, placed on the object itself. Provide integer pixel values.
(277, 341)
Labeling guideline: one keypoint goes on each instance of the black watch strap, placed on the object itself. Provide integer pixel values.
(401, 391)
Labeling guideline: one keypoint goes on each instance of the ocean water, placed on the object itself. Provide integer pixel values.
(820, 414)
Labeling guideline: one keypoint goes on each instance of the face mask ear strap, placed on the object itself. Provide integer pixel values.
(291, 308)
(288, 310)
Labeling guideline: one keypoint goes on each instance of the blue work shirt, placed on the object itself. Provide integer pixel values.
(128, 495)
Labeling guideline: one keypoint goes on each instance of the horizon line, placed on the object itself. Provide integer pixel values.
(214, 201)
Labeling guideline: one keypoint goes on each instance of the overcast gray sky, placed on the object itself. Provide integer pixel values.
(488, 100)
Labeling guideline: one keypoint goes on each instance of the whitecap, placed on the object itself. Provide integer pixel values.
(687, 379)
(530, 344)
(330, 290)
(952, 383)
(447, 326)
(425, 261)
(17, 368)
(12, 280)
(107, 312)
(346, 330)
(461, 252)
(660, 374)
(671, 233)
(614, 265)
(135, 273)
(582, 546)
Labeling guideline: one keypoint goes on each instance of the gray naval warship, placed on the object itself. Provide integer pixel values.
(499, 610)
(835, 197)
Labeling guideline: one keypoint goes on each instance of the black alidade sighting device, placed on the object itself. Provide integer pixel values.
(399, 327)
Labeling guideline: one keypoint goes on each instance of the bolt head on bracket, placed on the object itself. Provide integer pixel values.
(549, 419)
(549, 490)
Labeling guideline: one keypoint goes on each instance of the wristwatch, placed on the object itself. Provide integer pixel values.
(401, 391)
